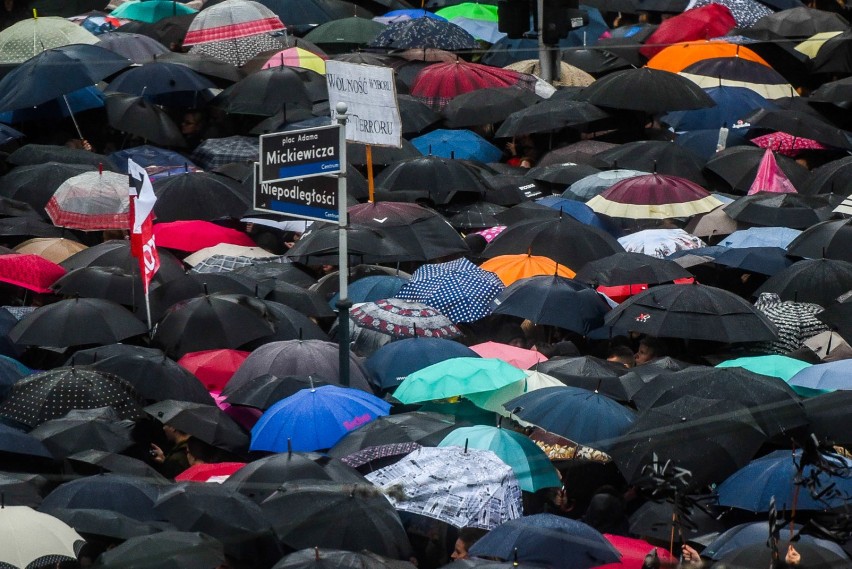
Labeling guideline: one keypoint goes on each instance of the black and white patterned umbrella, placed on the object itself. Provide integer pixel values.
(424, 33)
(745, 12)
(796, 322)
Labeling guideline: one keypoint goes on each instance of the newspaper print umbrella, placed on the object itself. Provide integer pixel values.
(404, 319)
(91, 201)
(462, 487)
(654, 196)
(424, 33)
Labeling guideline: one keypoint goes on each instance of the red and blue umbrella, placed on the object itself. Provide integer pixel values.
(315, 419)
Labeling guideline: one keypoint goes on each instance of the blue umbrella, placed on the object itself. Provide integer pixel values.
(371, 289)
(584, 416)
(459, 289)
(391, 363)
(11, 371)
(755, 533)
(704, 142)
(550, 540)
(820, 378)
(712, 251)
(315, 419)
(480, 29)
(460, 144)
(751, 487)
(762, 260)
(61, 107)
(761, 237)
(732, 104)
(148, 155)
(407, 14)
(579, 211)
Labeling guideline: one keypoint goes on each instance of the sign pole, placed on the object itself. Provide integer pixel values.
(343, 302)
(371, 185)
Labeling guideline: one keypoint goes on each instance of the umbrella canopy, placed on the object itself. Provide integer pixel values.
(231, 20)
(91, 201)
(588, 187)
(773, 209)
(167, 550)
(390, 364)
(824, 240)
(456, 376)
(831, 376)
(819, 281)
(267, 92)
(549, 540)
(28, 38)
(345, 33)
(194, 235)
(774, 365)
(561, 114)
(424, 33)
(519, 357)
(213, 367)
(706, 22)
(428, 177)
(630, 268)
(654, 196)
(163, 83)
(437, 84)
(403, 319)
(478, 489)
(54, 249)
(796, 322)
(494, 400)
(198, 195)
(658, 157)
(512, 268)
(51, 394)
(135, 115)
(79, 430)
(485, 106)
(645, 89)
(660, 243)
(151, 11)
(460, 144)
(137, 48)
(692, 311)
(28, 271)
(754, 555)
(315, 418)
(29, 536)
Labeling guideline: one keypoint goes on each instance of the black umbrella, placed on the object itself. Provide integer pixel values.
(656, 156)
(331, 515)
(630, 268)
(547, 116)
(756, 556)
(588, 372)
(91, 462)
(58, 324)
(655, 520)
(203, 64)
(555, 301)
(225, 514)
(56, 72)
(21, 489)
(415, 115)
(313, 558)
(828, 415)
(646, 89)
(711, 438)
(155, 376)
(199, 195)
(128, 495)
(431, 178)
(164, 84)
(308, 302)
(415, 227)
(563, 174)
(486, 106)
(830, 178)
(475, 216)
(760, 260)
(15, 444)
(780, 210)
(117, 254)
(290, 324)
(264, 391)
(356, 153)
(206, 423)
(511, 189)
(813, 280)
(28, 227)
(191, 285)
(735, 168)
(801, 22)
(366, 245)
(773, 404)
(105, 523)
(797, 123)
(593, 60)
(213, 321)
(107, 283)
(51, 394)
(548, 237)
(838, 316)
(135, 115)
(693, 311)
(33, 154)
(260, 478)
(828, 239)
(166, 550)
(35, 184)
(135, 47)
(14, 208)
(97, 429)
(283, 272)
(267, 92)
(420, 427)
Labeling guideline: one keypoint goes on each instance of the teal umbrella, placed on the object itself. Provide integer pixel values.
(455, 377)
(532, 468)
(774, 366)
(151, 11)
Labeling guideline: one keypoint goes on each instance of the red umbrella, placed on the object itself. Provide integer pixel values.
(711, 21)
(29, 271)
(633, 552)
(213, 367)
(195, 235)
(436, 84)
(787, 144)
(212, 472)
(654, 196)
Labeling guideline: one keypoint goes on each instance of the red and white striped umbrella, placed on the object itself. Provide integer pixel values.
(92, 201)
(654, 196)
(230, 20)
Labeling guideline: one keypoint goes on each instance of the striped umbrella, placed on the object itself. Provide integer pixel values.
(437, 84)
(91, 201)
(654, 196)
(796, 322)
(297, 57)
(231, 20)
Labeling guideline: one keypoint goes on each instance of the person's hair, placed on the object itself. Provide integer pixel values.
(469, 535)
(656, 345)
(201, 450)
(622, 354)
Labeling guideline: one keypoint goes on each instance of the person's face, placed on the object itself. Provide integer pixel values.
(644, 354)
(460, 551)
(190, 124)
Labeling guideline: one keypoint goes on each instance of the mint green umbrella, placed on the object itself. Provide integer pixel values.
(531, 466)
(470, 10)
(775, 366)
(455, 377)
(151, 11)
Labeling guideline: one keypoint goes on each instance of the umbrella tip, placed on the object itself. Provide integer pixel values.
(289, 447)
(465, 445)
(316, 553)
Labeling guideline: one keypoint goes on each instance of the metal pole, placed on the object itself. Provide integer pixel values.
(548, 55)
(343, 302)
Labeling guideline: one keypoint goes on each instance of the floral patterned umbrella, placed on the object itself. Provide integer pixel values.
(787, 144)
(403, 319)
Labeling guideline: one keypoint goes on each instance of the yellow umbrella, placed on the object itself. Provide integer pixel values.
(812, 45)
(54, 249)
(511, 268)
(297, 57)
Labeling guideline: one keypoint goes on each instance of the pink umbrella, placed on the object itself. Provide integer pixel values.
(213, 367)
(245, 416)
(518, 357)
(490, 233)
(770, 178)
(633, 552)
(787, 144)
(195, 235)
(29, 271)
(209, 472)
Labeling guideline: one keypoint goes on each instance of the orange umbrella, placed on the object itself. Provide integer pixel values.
(514, 267)
(679, 56)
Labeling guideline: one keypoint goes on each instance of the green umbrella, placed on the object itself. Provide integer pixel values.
(28, 38)
(532, 468)
(455, 377)
(773, 366)
(493, 400)
(151, 11)
(471, 10)
(347, 31)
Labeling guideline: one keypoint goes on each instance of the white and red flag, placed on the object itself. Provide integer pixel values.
(142, 245)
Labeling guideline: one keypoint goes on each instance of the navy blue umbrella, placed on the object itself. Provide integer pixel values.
(755, 533)
(164, 84)
(732, 104)
(762, 260)
(128, 495)
(547, 539)
(391, 363)
(372, 288)
(164, 161)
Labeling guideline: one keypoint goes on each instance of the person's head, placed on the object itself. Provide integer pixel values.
(173, 435)
(199, 452)
(649, 348)
(622, 355)
(466, 538)
(192, 123)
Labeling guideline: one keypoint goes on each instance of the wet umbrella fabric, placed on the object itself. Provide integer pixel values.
(403, 319)
(31, 272)
(91, 201)
(654, 196)
(457, 376)
(166, 550)
(819, 281)
(645, 89)
(163, 83)
(192, 236)
(313, 558)
(631, 268)
(771, 209)
(824, 240)
(79, 430)
(391, 363)
(134, 115)
(128, 495)
(427, 177)
(478, 488)
(30, 537)
(485, 106)
(54, 250)
(424, 33)
(198, 196)
(207, 423)
(265, 391)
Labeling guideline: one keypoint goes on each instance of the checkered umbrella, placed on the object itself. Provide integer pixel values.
(215, 152)
(459, 289)
(91, 201)
(227, 263)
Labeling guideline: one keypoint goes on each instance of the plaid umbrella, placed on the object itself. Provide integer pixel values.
(29, 271)
(796, 322)
(459, 289)
(91, 201)
(403, 319)
(654, 196)
(215, 152)
(230, 20)
(437, 84)
(424, 33)
(228, 263)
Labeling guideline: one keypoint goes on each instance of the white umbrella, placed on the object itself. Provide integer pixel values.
(660, 243)
(27, 535)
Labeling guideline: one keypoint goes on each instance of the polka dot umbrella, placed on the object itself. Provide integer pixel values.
(30, 37)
